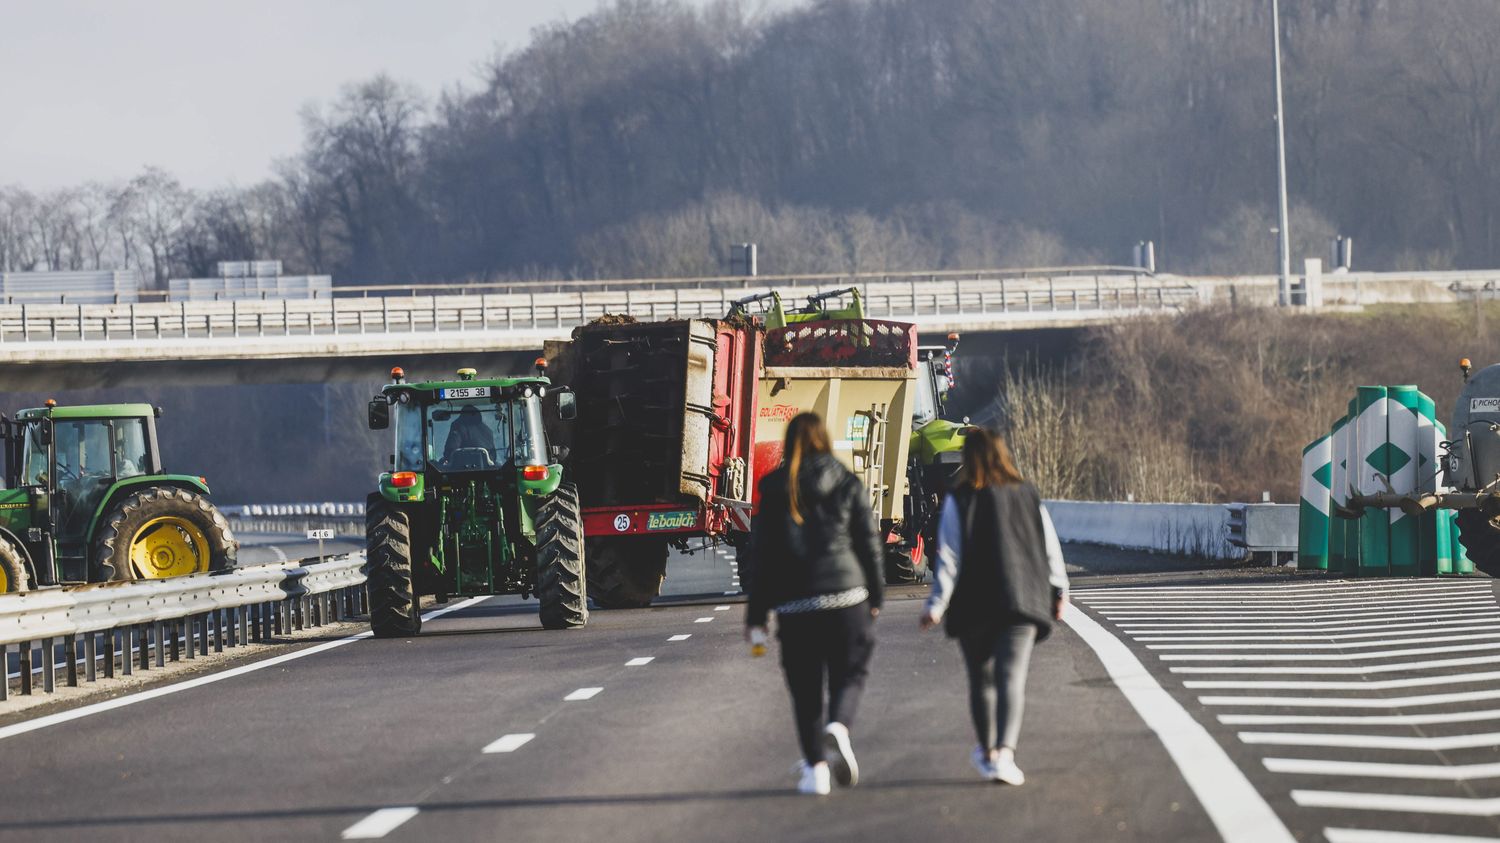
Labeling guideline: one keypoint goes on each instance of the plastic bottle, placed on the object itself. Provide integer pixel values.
(757, 642)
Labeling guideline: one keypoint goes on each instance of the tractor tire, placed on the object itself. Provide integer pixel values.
(394, 609)
(159, 532)
(561, 576)
(1481, 541)
(900, 569)
(626, 572)
(13, 576)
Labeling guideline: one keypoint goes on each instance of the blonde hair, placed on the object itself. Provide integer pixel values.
(987, 461)
(805, 436)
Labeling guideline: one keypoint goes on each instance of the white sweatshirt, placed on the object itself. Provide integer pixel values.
(951, 548)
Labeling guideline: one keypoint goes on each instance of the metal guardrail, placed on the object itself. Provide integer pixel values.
(125, 626)
(912, 299)
(1263, 528)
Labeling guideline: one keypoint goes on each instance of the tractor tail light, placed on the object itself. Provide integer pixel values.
(534, 472)
(404, 479)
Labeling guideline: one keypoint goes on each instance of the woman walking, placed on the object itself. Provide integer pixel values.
(817, 563)
(1000, 583)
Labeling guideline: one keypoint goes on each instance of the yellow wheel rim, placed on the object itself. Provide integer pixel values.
(4, 581)
(168, 547)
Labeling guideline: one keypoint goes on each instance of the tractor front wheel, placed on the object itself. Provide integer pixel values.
(561, 576)
(626, 572)
(1480, 540)
(12, 569)
(160, 532)
(394, 610)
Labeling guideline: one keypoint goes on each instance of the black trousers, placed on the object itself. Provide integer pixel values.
(835, 644)
(997, 661)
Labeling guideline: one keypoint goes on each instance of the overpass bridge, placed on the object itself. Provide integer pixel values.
(360, 330)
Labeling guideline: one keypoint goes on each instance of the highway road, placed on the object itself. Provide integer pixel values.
(657, 724)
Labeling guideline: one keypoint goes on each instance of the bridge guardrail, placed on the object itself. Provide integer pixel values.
(154, 620)
(914, 298)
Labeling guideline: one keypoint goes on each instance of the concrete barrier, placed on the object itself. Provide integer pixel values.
(1188, 529)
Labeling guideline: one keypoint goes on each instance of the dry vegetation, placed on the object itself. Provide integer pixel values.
(1218, 404)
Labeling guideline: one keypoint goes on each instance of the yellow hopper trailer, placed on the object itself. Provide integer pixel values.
(860, 375)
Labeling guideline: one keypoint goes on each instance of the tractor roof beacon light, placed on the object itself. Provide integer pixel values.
(1465, 366)
(541, 366)
(398, 374)
(51, 402)
(467, 374)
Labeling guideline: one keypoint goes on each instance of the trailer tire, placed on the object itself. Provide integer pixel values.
(562, 578)
(626, 572)
(900, 569)
(13, 576)
(202, 536)
(394, 609)
(1480, 540)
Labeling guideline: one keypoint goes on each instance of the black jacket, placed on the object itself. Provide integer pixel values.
(1003, 577)
(836, 547)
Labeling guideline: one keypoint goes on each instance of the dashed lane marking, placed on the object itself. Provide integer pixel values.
(582, 694)
(1237, 810)
(510, 743)
(379, 824)
(683, 637)
(131, 699)
(721, 608)
(640, 661)
(1368, 835)
(704, 620)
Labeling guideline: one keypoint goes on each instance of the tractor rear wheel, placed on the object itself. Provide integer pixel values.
(1480, 540)
(900, 569)
(626, 572)
(13, 575)
(159, 532)
(393, 604)
(561, 578)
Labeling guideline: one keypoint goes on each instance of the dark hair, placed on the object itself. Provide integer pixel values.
(987, 461)
(805, 436)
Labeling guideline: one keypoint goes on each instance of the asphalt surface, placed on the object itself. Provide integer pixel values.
(388, 737)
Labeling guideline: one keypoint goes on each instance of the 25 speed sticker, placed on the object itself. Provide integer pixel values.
(622, 523)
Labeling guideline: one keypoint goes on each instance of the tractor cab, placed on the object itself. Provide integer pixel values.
(67, 468)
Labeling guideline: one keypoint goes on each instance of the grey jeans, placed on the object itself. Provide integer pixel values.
(997, 666)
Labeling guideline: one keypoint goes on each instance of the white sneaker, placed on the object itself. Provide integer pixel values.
(815, 780)
(1006, 769)
(981, 761)
(840, 754)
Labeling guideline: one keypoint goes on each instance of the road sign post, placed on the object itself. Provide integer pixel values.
(320, 535)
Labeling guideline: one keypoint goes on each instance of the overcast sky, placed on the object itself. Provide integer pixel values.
(210, 89)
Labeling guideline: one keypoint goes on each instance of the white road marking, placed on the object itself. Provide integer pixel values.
(1256, 626)
(1381, 685)
(1344, 670)
(1276, 632)
(1354, 702)
(510, 743)
(1372, 741)
(1339, 586)
(704, 620)
(1429, 772)
(379, 824)
(683, 637)
(1237, 810)
(1367, 835)
(1325, 644)
(736, 591)
(582, 694)
(1324, 657)
(131, 699)
(721, 608)
(1358, 719)
(1417, 611)
(640, 661)
(1199, 602)
(1452, 805)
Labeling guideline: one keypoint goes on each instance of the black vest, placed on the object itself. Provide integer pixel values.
(1003, 575)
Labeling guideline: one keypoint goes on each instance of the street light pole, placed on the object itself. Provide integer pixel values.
(1283, 242)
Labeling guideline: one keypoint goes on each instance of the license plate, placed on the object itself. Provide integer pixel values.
(465, 392)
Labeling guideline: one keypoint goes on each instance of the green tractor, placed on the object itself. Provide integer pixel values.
(936, 447)
(475, 502)
(86, 500)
